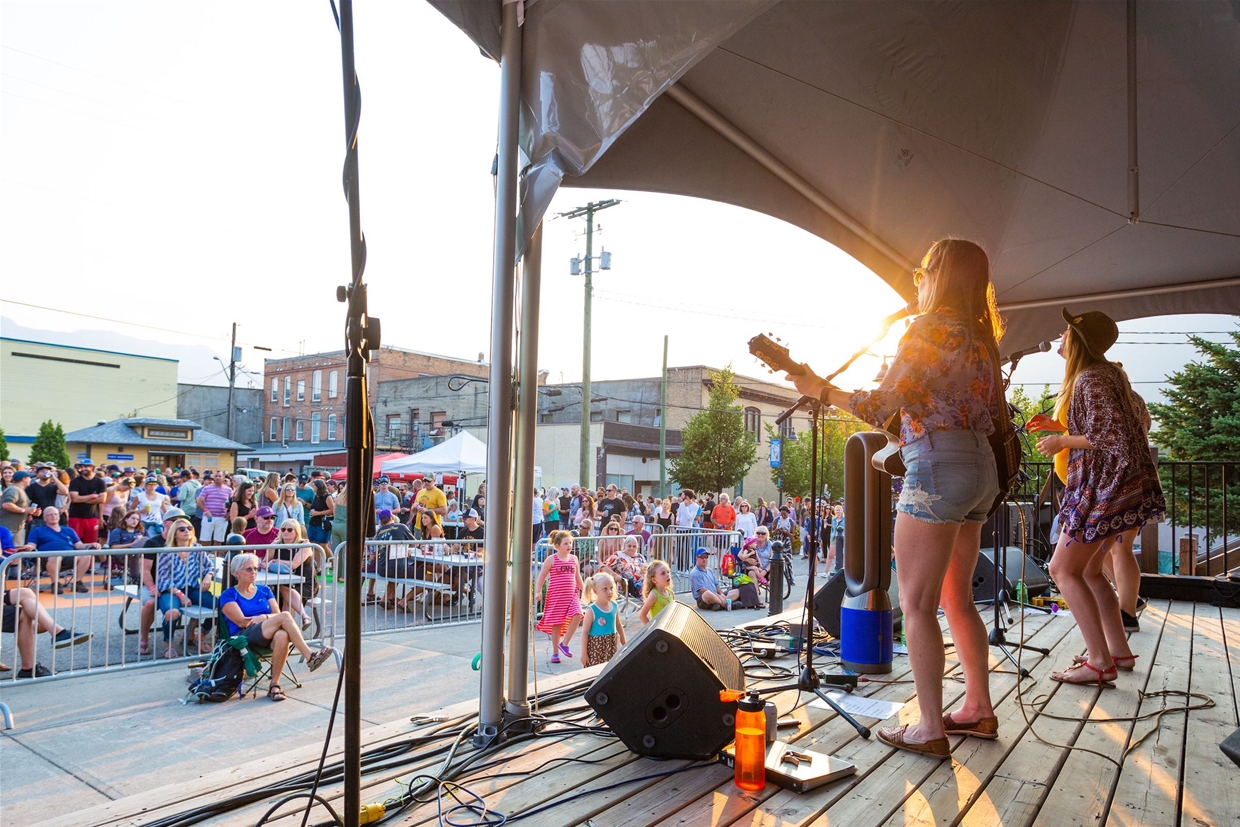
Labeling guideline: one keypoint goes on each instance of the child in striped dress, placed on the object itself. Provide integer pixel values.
(562, 574)
(601, 635)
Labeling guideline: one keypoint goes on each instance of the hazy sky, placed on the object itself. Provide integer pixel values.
(177, 165)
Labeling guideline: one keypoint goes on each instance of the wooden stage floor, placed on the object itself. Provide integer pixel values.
(1175, 775)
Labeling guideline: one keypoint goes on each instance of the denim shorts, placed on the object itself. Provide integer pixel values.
(950, 477)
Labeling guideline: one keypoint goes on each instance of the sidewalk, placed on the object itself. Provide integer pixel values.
(83, 741)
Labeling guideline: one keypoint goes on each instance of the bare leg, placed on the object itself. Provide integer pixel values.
(279, 654)
(573, 623)
(923, 552)
(968, 630)
(82, 568)
(146, 619)
(1108, 607)
(1068, 566)
(283, 621)
(1124, 572)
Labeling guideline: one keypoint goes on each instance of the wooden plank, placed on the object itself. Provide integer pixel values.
(1082, 791)
(1148, 788)
(1018, 784)
(188, 793)
(1231, 640)
(954, 788)
(1211, 791)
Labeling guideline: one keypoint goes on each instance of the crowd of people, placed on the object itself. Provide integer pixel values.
(130, 515)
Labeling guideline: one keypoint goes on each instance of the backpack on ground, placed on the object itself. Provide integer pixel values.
(221, 676)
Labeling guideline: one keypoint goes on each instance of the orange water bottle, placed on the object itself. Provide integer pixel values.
(750, 747)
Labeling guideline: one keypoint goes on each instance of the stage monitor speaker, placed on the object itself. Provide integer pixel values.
(660, 693)
(828, 599)
(1036, 581)
(1231, 747)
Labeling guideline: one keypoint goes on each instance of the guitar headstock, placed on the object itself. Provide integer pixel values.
(774, 355)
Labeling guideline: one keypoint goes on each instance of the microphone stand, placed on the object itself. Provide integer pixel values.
(997, 637)
(809, 680)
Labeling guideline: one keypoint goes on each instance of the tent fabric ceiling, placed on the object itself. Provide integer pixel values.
(1007, 123)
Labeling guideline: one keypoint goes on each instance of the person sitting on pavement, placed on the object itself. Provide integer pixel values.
(24, 615)
(756, 555)
(251, 610)
(52, 536)
(183, 579)
(628, 566)
(703, 585)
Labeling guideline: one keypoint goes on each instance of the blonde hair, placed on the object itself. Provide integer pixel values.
(558, 535)
(648, 581)
(961, 285)
(596, 582)
(1077, 359)
(170, 534)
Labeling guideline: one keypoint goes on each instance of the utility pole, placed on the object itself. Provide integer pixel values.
(663, 425)
(587, 458)
(232, 379)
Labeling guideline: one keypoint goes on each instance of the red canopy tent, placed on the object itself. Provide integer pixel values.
(378, 464)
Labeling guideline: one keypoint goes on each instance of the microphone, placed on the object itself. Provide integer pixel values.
(910, 309)
(1040, 347)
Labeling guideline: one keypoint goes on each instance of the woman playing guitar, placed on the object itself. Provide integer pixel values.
(943, 385)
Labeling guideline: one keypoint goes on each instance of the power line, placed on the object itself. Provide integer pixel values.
(93, 75)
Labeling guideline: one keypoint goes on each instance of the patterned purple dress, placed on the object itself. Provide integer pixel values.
(1114, 487)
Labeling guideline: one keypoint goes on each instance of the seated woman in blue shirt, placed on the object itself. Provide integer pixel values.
(251, 610)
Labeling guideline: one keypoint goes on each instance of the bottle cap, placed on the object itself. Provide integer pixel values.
(751, 703)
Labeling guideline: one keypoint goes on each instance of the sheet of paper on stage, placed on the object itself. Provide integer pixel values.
(857, 705)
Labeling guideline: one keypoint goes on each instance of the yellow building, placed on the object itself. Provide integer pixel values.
(143, 442)
(77, 387)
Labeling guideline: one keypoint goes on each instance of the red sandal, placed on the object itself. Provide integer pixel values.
(1124, 663)
(1103, 678)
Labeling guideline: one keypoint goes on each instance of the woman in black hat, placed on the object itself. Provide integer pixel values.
(1112, 488)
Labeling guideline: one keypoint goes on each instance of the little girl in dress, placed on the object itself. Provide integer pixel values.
(601, 635)
(562, 574)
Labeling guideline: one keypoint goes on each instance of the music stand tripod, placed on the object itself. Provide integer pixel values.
(809, 680)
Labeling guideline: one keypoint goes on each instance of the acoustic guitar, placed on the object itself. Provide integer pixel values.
(777, 358)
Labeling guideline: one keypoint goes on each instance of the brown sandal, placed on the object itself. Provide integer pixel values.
(934, 748)
(276, 693)
(987, 728)
(1103, 677)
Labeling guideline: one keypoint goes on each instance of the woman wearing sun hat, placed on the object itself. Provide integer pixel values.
(1112, 487)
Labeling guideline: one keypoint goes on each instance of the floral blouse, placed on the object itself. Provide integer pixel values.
(941, 379)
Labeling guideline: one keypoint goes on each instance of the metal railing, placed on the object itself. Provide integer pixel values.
(1199, 537)
(105, 617)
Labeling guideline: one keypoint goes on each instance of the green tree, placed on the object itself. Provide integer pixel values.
(716, 452)
(1200, 422)
(4, 446)
(49, 445)
(1028, 407)
(793, 475)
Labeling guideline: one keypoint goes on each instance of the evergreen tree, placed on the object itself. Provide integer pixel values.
(4, 446)
(1200, 422)
(716, 451)
(49, 445)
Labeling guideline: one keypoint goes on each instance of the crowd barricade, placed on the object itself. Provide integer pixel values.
(677, 547)
(426, 583)
(117, 601)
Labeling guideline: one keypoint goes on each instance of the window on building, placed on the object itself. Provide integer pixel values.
(301, 429)
(546, 417)
(624, 416)
(284, 432)
(331, 424)
(316, 387)
(393, 426)
(301, 390)
(272, 437)
(786, 431)
(331, 385)
(315, 424)
(753, 423)
(288, 391)
(275, 389)
(596, 416)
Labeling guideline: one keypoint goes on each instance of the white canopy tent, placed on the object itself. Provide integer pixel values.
(464, 454)
(1091, 147)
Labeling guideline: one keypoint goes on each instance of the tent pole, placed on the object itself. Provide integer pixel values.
(499, 418)
(518, 707)
(782, 171)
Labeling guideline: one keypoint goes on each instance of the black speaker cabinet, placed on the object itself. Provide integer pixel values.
(1231, 747)
(828, 599)
(1036, 581)
(660, 694)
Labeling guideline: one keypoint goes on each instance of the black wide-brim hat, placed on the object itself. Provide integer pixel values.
(1097, 330)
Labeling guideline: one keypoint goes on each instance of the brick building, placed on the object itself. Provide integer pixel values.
(303, 398)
